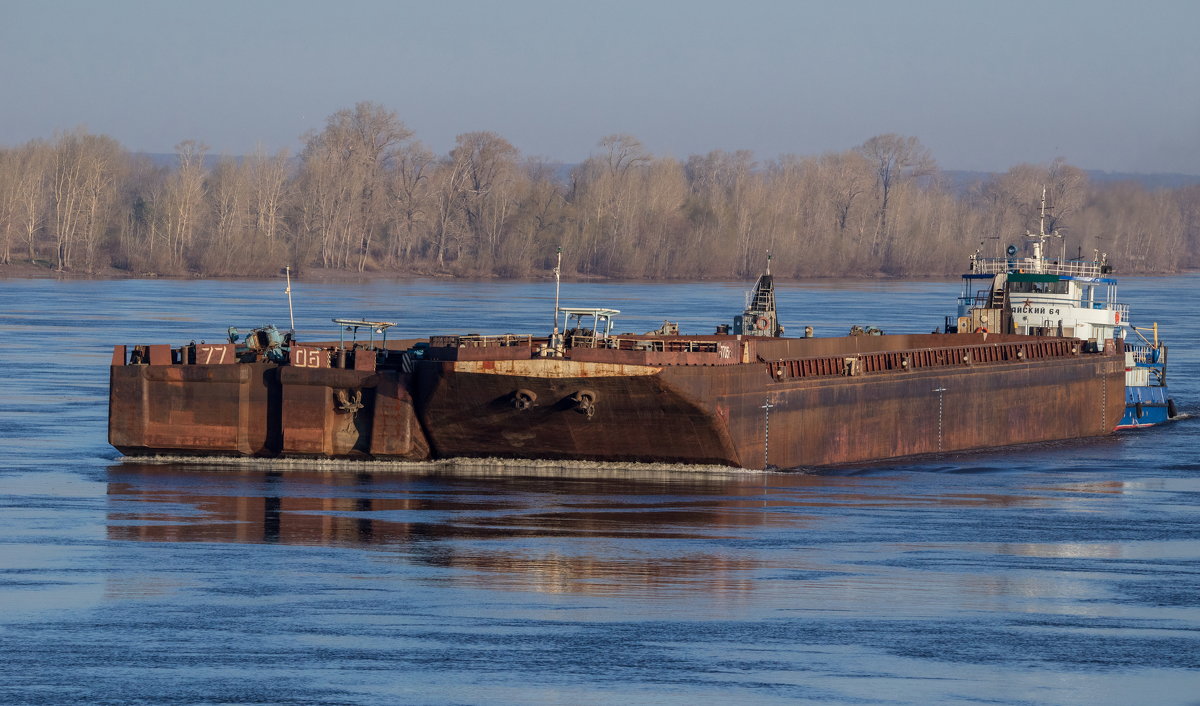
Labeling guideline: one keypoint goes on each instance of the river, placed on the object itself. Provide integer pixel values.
(1062, 573)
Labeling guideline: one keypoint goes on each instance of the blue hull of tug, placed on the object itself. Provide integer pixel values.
(1145, 407)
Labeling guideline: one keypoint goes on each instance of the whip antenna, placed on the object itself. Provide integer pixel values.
(291, 315)
(557, 281)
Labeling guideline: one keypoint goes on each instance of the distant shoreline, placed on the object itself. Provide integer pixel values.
(25, 270)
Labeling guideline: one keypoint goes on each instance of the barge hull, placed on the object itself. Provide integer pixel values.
(262, 409)
(733, 415)
(781, 403)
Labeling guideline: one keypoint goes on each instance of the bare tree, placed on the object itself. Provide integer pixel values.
(81, 184)
(346, 166)
(895, 159)
(623, 152)
(1066, 190)
(845, 176)
(724, 209)
(488, 165)
(605, 196)
(33, 193)
(449, 181)
(1187, 201)
(66, 188)
(230, 242)
(411, 201)
(179, 205)
(269, 191)
(537, 225)
(108, 164)
(9, 171)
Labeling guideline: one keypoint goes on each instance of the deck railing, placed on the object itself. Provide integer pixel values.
(1146, 356)
(670, 345)
(1072, 268)
(480, 341)
(898, 361)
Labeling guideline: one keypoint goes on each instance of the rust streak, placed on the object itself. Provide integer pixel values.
(553, 368)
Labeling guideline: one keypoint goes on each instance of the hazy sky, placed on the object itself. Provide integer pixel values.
(1107, 84)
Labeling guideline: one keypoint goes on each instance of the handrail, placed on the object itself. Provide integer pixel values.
(682, 345)
(481, 341)
(899, 361)
(1001, 265)
(1147, 355)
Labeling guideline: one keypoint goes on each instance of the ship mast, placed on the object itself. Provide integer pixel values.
(1041, 235)
(288, 291)
(557, 284)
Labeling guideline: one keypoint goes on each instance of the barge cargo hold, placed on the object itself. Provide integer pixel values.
(744, 398)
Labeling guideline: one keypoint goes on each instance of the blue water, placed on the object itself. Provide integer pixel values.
(1055, 574)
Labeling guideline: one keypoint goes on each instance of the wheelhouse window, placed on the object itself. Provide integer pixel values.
(1057, 287)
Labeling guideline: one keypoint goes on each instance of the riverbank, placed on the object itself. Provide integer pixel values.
(43, 270)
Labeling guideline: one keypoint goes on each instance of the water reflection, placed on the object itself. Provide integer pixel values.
(439, 520)
(168, 503)
(165, 502)
(561, 530)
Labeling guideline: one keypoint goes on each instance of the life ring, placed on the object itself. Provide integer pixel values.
(981, 329)
(1118, 317)
(761, 324)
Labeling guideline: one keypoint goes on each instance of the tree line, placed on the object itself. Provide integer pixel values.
(365, 196)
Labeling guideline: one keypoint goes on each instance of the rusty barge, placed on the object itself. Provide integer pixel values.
(744, 396)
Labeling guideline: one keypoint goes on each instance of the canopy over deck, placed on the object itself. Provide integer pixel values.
(353, 325)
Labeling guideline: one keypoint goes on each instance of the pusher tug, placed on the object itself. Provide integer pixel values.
(1073, 298)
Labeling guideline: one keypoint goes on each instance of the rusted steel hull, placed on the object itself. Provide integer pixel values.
(261, 409)
(783, 403)
(194, 409)
(720, 415)
(468, 410)
(855, 419)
